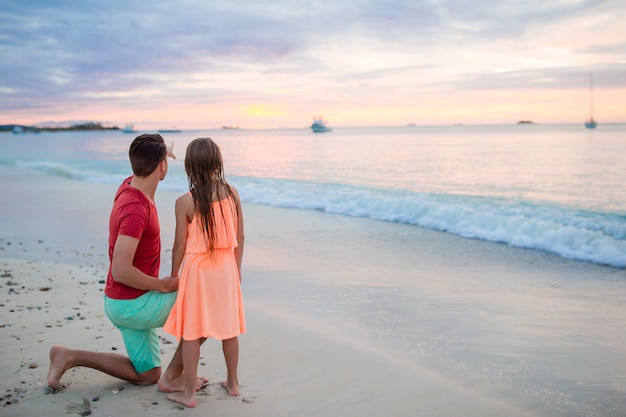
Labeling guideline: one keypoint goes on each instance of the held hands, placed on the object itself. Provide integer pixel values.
(169, 284)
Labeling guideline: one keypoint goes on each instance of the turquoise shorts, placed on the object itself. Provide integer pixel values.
(138, 320)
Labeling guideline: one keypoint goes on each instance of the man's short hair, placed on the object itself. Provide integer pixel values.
(146, 153)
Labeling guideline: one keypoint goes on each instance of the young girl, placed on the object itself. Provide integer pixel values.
(208, 249)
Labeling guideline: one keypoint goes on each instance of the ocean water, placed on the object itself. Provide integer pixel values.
(552, 188)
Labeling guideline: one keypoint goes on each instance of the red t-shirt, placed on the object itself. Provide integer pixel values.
(134, 215)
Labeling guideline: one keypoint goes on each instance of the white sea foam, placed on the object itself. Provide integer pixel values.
(586, 236)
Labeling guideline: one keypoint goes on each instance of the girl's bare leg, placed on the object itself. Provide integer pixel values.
(190, 356)
(230, 347)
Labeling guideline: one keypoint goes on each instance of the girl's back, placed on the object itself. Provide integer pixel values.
(225, 215)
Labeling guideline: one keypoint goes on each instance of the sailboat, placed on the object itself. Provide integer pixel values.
(591, 123)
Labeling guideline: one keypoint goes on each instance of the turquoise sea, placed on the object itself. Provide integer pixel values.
(552, 188)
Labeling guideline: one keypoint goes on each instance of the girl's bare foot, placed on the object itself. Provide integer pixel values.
(231, 388)
(180, 397)
(59, 358)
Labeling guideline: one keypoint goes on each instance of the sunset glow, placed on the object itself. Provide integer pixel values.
(209, 65)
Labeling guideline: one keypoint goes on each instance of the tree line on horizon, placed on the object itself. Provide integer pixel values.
(79, 126)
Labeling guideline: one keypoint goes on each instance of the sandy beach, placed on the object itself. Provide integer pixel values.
(463, 328)
(287, 367)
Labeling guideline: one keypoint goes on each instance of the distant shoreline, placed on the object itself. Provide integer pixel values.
(29, 129)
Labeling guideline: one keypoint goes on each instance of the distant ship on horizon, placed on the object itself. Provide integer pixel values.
(319, 125)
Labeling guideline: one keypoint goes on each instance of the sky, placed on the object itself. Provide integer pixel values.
(195, 64)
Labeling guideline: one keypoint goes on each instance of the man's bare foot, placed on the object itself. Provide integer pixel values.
(178, 384)
(59, 363)
(183, 399)
(231, 388)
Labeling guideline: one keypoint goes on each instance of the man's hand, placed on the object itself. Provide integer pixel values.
(170, 151)
(169, 284)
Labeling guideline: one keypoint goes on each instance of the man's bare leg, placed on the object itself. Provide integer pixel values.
(173, 379)
(62, 359)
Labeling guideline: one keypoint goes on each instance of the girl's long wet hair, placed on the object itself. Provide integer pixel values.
(205, 172)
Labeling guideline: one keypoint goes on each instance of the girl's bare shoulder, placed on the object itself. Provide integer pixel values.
(185, 204)
(185, 199)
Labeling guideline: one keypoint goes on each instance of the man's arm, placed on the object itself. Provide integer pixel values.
(123, 270)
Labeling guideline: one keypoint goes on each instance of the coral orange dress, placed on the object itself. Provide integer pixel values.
(209, 301)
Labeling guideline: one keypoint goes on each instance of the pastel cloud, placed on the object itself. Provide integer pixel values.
(202, 64)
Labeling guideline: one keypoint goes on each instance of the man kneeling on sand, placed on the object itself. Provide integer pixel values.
(136, 300)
